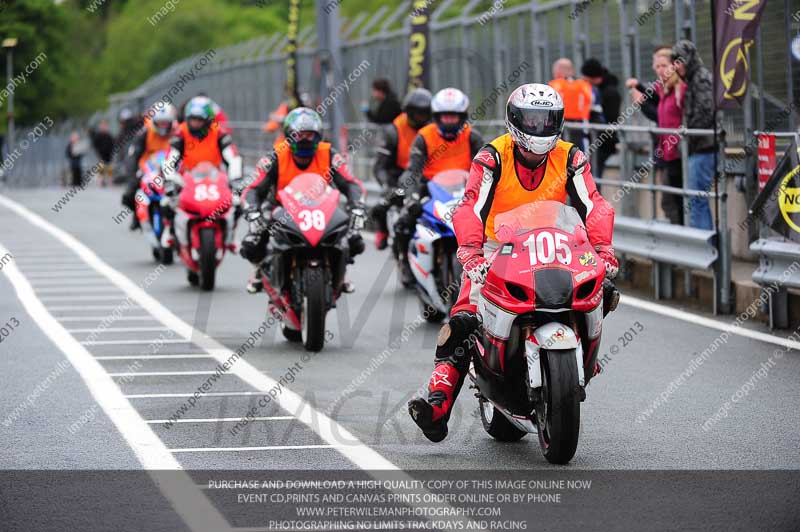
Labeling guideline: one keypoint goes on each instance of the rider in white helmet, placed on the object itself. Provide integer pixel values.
(447, 143)
(529, 163)
(159, 126)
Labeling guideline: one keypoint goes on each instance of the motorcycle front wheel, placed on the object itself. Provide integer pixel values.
(314, 309)
(559, 422)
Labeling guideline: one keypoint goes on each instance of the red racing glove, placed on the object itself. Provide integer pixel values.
(606, 253)
(475, 264)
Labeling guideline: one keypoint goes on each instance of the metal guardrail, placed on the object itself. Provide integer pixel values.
(666, 245)
(778, 269)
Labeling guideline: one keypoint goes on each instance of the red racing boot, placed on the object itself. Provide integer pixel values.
(431, 415)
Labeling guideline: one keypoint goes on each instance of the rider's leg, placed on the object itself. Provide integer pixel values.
(378, 213)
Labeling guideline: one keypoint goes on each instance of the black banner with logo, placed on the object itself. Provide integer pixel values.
(778, 205)
(292, 30)
(419, 52)
(735, 25)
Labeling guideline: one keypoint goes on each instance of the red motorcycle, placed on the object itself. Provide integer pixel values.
(204, 222)
(307, 255)
(541, 303)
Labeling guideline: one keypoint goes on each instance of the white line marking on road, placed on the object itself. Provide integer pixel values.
(217, 419)
(161, 373)
(82, 307)
(245, 449)
(75, 284)
(48, 299)
(117, 329)
(190, 394)
(63, 275)
(82, 290)
(101, 318)
(151, 452)
(150, 357)
(697, 319)
(138, 342)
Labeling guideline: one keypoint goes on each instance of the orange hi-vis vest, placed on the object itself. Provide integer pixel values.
(443, 154)
(405, 138)
(577, 96)
(509, 192)
(288, 170)
(153, 143)
(196, 151)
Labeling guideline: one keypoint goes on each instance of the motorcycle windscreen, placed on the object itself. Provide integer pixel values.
(451, 181)
(510, 225)
(311, 202)
(151, 171)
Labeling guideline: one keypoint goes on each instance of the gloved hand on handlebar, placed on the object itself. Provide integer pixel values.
(357, 217)
(475, 264)
(606, 253)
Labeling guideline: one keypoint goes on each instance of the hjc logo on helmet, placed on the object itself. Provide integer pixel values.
(542, 103)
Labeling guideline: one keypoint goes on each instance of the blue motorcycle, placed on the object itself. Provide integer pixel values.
(432, 250)
(148, 206)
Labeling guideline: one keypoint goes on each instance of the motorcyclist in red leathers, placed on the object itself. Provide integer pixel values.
(529, 163)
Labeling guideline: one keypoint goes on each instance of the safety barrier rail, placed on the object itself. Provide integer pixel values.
(778, 270)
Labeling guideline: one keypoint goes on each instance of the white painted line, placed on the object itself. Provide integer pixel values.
(63, 275)
(246, 449)
(138, 342)
(75, 284)
(77, 290)
(161, 373)
(117, 329)
(190, 394)
(82, 307)
(326, 428)
(101, 318)
(151, 452)
(697, 319)
(217, 419)
(151, 357)
(48, 299)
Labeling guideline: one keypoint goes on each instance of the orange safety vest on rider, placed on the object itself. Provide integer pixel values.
(196, 151)
(577, 96)
(446, 155)
(320, 164)
(153, 143)
(509, 192)
(405, 138)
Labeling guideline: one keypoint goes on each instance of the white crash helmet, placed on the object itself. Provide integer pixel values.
(535, 117)
(450, 100)
(164, 116)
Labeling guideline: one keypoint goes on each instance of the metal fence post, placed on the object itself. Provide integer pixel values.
(724, 242)
(330, 53)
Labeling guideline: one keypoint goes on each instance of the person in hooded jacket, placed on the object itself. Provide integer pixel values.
(698, 113)
(605, 107)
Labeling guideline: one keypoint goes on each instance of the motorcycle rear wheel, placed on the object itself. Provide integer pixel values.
(208, 258)
(559, 424)
(314, 309)
(496, 424)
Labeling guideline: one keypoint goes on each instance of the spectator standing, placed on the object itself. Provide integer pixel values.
(577, 97)
(604, 108)
(103, 144)
(698, 113)
(76, 149)
(663, 103)
(384, 105)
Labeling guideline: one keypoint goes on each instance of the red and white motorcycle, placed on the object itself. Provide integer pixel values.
(540, 305)
(204, 223)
